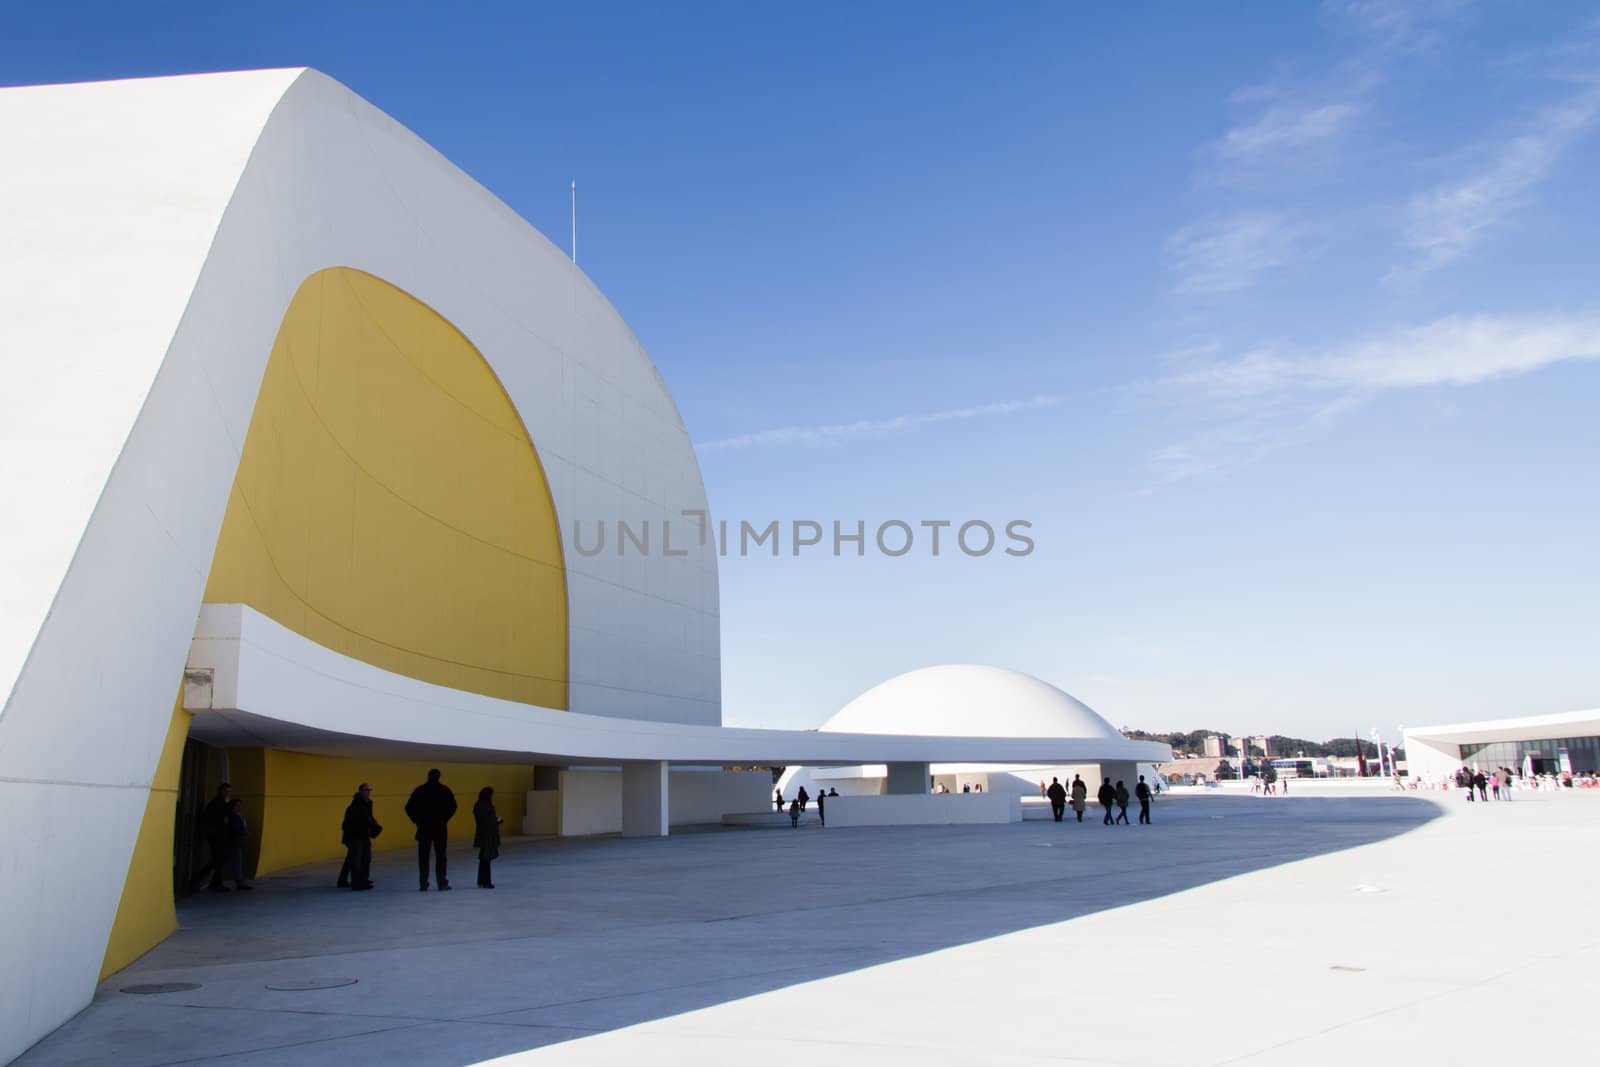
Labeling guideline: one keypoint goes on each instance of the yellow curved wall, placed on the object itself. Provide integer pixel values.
(302, 800)
(145, 913)
(389, 504)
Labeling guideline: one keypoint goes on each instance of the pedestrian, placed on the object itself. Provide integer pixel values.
(430, 807)
(1122, 798)
(357, 832)
(235, 835)
(1080, 795)
(822, 817)
(1142, 791)
(1058, 798)
(1494, 784)
(777, 800)
(1482, 783)
(794, 813)
(803, 797)
(1106, 796)
(486, 834)
(832, 792)
(1506, 793)
(212, 828)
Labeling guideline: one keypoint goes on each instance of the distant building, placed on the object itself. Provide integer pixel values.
(1538, 744)
(1216, 745)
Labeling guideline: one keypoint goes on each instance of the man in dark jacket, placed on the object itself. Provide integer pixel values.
(430, 807)
(357, 832)
(1142, 791)
(1058, 798)
(214, 829)
(1122, 798)
(1106, 795)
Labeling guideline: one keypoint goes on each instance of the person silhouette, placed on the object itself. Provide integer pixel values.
(1080, 795)
(1121, 796)
(1107, 795)
(430, 807)
(237, 833)
(794, 813)
(486, 835)
(357, 832)
(1058, 798)
(213, 829)
(1142, 791)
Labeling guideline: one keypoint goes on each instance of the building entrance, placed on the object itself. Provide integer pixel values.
(204, 767)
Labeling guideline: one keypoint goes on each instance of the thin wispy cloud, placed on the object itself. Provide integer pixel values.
(1267, 400)
(1228, 253)
(1242, 442)
(1447, 221)
(1455, 350)
(1283, 126)
(834, 433)
(1400, 25)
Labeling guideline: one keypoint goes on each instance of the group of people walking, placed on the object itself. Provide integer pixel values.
(1078, 796)
(797, 806)
(1476, 782)
(430, 808)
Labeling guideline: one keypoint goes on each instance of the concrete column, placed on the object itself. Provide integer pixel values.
(1125, 771)
(644, 799)
(907, 778)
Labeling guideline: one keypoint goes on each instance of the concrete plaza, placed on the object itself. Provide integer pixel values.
(1237, 929)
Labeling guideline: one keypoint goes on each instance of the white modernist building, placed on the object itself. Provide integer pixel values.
(1568, 742)
(308, 441)
(972, 700)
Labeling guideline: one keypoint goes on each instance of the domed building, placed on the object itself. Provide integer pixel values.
(972, 700)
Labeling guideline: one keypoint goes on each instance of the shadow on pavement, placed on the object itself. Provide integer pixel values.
(588, 935)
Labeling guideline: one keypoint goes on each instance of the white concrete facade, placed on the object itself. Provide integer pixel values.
(151, 245)
(1434, 752)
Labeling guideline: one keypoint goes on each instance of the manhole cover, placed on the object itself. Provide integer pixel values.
(296, 985)
(161, 987)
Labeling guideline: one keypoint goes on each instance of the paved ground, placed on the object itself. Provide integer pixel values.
(1298, 930)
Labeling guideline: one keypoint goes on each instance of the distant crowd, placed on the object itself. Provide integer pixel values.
(1480, 785)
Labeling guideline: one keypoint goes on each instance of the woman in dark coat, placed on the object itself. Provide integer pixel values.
(486, 838)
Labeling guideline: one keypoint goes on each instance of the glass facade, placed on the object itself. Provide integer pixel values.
(1583, 751)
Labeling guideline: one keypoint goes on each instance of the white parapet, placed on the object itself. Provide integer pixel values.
(590, 800)
(949, 809)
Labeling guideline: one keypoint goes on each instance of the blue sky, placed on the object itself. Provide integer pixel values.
(1279, 322)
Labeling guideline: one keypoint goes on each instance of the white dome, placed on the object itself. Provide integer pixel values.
(969, 700)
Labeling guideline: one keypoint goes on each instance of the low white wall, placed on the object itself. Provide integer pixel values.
(590, 802)
(706, 796)
(543, 813)
(924, 810)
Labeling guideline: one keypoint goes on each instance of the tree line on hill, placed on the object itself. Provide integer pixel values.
(1194, 741)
